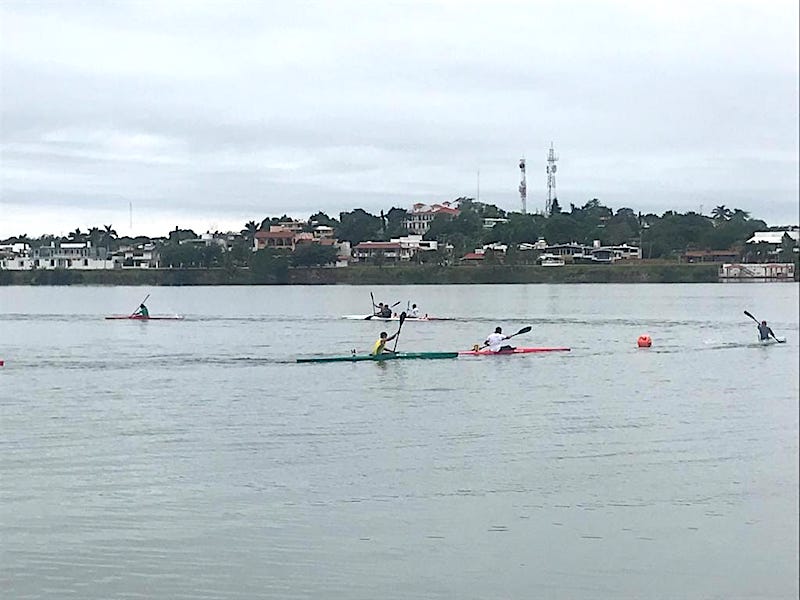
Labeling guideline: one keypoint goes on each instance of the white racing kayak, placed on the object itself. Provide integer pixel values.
(392, 318)
(771, 341)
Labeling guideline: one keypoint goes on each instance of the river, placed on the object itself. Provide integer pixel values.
(196, 459)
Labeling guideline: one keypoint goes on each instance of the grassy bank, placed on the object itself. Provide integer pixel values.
(620, 273)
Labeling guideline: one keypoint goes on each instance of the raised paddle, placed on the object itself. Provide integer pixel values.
(523, 330)
(759, 323)
(397, 335)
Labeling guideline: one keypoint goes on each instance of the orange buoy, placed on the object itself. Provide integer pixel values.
(644, 341)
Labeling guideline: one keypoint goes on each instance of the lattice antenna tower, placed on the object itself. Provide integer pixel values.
(523, 186)
(552, 157)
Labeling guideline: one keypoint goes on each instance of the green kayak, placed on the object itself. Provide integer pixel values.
(379, 357)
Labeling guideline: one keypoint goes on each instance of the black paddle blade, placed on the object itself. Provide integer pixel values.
(524, 330)
(402, 317)
(751, 316)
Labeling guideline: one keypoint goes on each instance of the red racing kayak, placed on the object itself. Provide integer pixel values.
(141, 318)
(487, 352)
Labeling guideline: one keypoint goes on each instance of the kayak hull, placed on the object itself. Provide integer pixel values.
(130, 318)
(392, 318)
(487, 352)
(379, 357)
(771, 341)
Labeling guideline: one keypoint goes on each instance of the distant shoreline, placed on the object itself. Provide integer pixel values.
(371, 275)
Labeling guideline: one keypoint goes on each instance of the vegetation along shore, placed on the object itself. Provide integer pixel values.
(461, 242)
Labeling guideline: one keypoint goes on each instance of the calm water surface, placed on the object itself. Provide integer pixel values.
(195, 459)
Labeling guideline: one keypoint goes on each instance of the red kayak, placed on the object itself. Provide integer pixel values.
(487, 352)
(141, 318)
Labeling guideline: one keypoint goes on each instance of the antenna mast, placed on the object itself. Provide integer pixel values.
(523, 186)
(551, 180)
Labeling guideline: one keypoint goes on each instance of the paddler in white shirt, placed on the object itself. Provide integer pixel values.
(414, 312)
(496, 339)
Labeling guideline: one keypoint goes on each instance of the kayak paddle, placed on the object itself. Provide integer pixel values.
(397, 335)
(759, 323)
(523, 330)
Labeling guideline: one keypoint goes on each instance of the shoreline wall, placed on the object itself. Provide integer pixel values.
(370, 275)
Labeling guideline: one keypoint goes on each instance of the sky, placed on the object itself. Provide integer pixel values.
(148, 115)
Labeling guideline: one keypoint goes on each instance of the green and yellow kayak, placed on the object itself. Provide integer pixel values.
(379, 357)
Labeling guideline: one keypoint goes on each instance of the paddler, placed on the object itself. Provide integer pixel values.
(384, 310)
(495, 341)
(380, 345)
(764, 332)
(142, 312)
(414, 312)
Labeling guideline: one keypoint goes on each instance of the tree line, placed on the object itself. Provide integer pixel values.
(660, 236)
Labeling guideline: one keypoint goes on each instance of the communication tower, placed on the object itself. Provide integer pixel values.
(523, 186)
(551, 180)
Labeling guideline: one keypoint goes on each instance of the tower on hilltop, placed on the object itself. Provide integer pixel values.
(523, 186)
(551, 180)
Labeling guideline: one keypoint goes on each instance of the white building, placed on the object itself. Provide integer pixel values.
(60, 255)
(421, 215)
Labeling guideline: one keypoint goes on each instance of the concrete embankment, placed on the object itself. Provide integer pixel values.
(389, 275)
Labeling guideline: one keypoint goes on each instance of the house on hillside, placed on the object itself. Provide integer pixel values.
(767, 245)
(61, 255)
(398, 249)
(421, 215)
(276, 237)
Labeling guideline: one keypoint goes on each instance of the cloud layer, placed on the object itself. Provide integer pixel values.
(211, 114)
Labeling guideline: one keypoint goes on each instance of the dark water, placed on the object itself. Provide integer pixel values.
(194, 459)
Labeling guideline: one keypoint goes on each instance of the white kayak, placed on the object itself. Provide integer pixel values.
(392, 318)
(771, 341)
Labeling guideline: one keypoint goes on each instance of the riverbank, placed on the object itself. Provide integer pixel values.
(363, 275)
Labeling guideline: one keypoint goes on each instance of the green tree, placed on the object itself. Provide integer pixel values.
(357, 226)
(396, 223)
(311, 255)
(561, 229)
(721, 213)
(109, 237)
(269, 266)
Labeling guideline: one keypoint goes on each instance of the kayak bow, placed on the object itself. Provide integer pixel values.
(379, 357)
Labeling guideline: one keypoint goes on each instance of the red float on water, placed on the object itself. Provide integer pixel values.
(644, 341)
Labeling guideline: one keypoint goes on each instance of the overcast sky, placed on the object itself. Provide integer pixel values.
(210, 114)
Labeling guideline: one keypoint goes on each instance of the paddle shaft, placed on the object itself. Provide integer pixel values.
(397, 335)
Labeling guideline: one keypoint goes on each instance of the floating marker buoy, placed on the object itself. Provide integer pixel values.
(644, 341)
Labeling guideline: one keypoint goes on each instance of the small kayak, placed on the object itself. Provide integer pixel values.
(379, 357)
(141, 318)
(487, 352)
(392, 318)
(771, 341)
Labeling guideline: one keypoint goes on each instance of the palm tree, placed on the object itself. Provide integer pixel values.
(109, 235)
(721, 213)
(77, 235)
(249, 232)
(94, 236)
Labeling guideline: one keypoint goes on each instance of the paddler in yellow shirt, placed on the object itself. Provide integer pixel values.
(380, 345)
